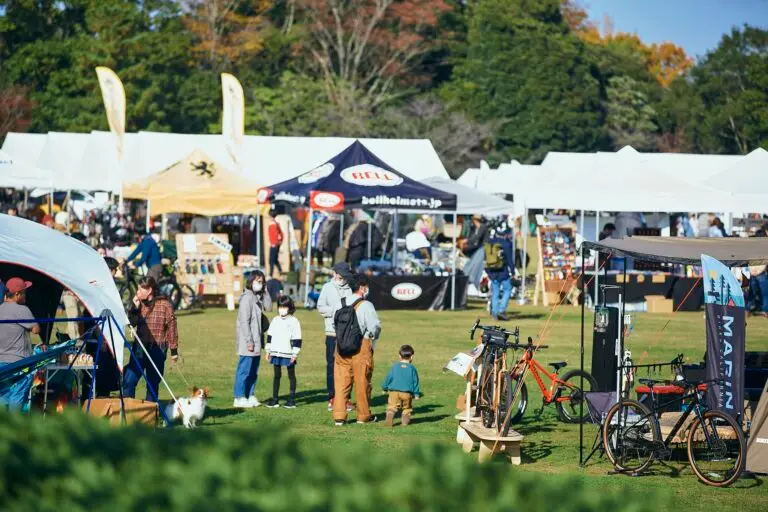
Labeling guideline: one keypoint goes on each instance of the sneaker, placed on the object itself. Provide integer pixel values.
(272, 403)
(350, 407)
(372, 419)
(330, 405)
(339, 423)
(290, 404)
(241, 403)
(253, 402)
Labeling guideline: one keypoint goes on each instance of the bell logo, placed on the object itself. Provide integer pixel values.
(326, 200)
(368, 175)
(262, 196)
(406, 292)
(317, 174)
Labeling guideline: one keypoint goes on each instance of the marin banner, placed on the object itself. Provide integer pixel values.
(726, 334)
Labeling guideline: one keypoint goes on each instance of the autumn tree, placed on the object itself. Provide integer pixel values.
(371, 45)
(15, 110)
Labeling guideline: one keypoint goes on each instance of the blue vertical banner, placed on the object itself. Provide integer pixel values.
(726, 334)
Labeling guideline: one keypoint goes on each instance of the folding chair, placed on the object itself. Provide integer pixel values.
(598, 405)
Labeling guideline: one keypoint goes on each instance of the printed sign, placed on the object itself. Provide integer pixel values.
(221, 244)
(262, 196)
(329, 201)
(406, 291)
(460, 364)
(317, 174)
(367, 175)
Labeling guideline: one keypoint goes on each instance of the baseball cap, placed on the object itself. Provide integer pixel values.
(47, 218)
(16, 285)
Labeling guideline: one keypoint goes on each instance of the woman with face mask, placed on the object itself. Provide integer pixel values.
(251, 329)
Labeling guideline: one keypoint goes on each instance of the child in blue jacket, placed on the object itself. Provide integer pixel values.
(402, 384)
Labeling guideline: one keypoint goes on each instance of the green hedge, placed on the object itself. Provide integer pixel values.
(73, 463)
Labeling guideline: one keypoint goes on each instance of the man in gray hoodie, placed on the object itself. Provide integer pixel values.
(328, 304)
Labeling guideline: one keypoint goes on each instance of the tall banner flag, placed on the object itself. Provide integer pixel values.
(726, 334)
(113, 93)
(233, 119)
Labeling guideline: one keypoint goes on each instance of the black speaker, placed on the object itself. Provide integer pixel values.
(605, 332)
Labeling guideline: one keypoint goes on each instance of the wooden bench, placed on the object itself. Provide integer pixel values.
(490, 443)
(462, 417)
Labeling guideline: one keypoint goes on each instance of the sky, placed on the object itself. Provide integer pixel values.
(696, 25)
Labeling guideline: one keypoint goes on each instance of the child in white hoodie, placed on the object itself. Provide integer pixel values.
(283, 347)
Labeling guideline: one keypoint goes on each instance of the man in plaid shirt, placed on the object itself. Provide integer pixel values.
(155, 323)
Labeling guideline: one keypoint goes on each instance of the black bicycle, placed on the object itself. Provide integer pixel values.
(182, 297)
(716, 445)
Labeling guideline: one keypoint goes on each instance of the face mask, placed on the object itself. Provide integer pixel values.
(282, 311)
(338, 282)
(257, 286)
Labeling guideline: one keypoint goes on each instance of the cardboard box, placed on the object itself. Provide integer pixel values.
(136, 411)
(658, 304)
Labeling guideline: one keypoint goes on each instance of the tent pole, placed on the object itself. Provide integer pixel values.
(581, 355)
(309, 259)
(623, 301)
(394, 239)
(164, 228)
(258, 240)
(524, 261)
(369, 238)
(92, 394)
(581, 226)
(50, 203)
(597, 255)
(453, 265)
(26, 200)
(341, 230)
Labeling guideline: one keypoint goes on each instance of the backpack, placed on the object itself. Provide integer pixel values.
(494, 256)
(349, 337)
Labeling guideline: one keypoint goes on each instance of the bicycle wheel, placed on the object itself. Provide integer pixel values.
(483, 377)
(630, 436)
(518, 401)
(188, 297)
(716, 449)
(570, 396)
(488, 412)
(170, 289)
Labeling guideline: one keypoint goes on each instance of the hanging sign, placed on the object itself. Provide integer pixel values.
(327, 201)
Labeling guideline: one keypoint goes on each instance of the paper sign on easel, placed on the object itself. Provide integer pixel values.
(461, 364)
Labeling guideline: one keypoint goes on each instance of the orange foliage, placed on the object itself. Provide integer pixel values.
(665, 61)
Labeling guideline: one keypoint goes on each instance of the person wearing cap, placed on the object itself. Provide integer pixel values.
(501, 275)
(328, 304)
(150, 255)
(15, 343)
(48, 221)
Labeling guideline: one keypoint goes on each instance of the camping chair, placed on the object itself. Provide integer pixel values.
(598, 405)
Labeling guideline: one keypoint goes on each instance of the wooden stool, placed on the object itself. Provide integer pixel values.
(490, 443)
(462, 417)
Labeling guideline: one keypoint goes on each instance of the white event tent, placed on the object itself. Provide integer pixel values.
(470, 200)
(18, 164)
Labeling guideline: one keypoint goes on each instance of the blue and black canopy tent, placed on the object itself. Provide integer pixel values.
(357, 178)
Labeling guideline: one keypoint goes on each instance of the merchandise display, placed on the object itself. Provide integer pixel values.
(205, 264)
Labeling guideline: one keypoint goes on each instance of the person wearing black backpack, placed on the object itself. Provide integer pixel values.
(357, 329)
(500, 267)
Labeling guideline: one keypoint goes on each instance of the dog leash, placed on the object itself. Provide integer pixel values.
(178, 368)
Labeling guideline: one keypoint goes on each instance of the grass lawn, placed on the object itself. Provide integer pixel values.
(550, 447)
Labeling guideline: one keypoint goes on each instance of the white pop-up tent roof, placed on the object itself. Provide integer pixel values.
(472, 201)
(18, 167)
(71, 263)
(748, 176)
(61, 154)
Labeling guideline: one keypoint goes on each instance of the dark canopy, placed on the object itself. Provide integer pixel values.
(356, 178)
(734, 252)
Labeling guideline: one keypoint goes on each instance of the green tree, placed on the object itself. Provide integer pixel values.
(630, 120)
(526, 72)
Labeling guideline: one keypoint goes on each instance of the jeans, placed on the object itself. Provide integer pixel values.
(246, 375)
(133, 374)
(330, 357)
(274, 261)
(500, 292)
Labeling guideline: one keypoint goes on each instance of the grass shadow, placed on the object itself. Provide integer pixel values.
(312, 396)
(516, 315)
(213, 414)
(428, 419)
(535, 451)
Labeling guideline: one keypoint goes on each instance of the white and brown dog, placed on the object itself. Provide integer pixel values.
(190, 409)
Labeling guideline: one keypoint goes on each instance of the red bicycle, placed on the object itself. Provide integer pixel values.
(565, 392)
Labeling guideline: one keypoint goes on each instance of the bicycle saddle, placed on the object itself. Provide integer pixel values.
(558, 365)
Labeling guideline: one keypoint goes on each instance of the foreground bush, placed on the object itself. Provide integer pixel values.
(73, 463)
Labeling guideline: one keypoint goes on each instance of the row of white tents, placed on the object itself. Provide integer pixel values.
(89, 161)
(632, 181)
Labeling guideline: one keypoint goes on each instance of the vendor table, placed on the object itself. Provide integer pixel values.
(78, 370)
(640, 285)
(416, 292)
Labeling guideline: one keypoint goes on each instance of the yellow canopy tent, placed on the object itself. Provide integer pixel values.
(197, 185)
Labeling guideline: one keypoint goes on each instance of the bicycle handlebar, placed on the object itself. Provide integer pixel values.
(476, 326)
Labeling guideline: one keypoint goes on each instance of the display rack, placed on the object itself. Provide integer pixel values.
(205, 264)
(557, 259)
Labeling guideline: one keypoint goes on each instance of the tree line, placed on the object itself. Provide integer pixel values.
(493, 79)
